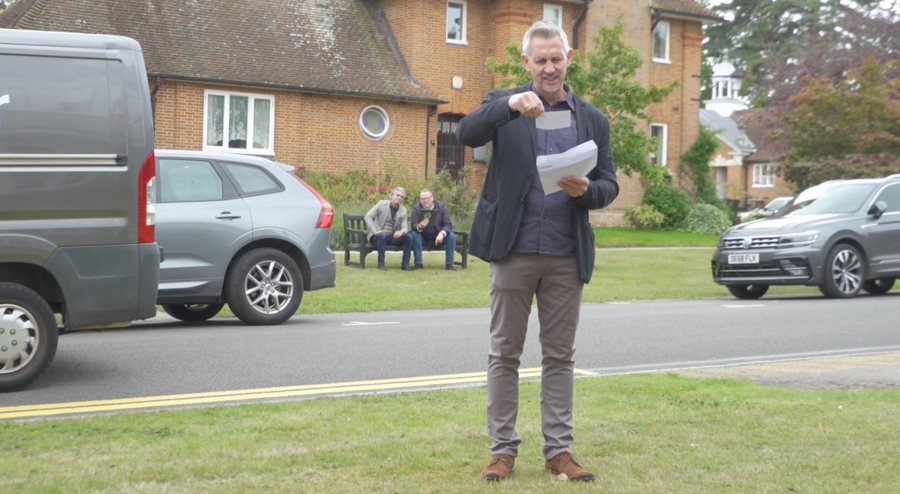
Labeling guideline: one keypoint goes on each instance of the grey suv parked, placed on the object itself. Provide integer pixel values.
(841, 236)
(239, 230)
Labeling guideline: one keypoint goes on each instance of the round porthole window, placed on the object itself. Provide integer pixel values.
(374, 122)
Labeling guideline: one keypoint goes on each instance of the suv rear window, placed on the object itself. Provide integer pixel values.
(251, 180)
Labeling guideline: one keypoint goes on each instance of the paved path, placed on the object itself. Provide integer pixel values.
(853, 372)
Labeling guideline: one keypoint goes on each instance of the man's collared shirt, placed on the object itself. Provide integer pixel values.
(547, 225)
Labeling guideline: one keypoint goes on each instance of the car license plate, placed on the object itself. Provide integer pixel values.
(743, 258)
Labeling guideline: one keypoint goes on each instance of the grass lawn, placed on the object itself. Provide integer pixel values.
(652, 433)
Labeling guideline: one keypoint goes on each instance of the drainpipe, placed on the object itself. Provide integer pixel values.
(578, 24)
(158, 83)
(431, 112)
(657, 15)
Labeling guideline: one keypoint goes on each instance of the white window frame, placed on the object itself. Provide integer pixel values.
(666, 29)
(463, 22)
(384, 116)
(764, 175)
(663, 142)
(556, 11)
(251, 102)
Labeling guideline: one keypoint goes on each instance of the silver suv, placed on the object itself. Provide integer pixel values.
(841, 236)
(239, 230)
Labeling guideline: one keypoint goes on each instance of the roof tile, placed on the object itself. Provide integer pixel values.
(312, 45)
(760, 123)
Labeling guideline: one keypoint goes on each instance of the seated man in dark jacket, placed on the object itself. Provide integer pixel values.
(431, 226)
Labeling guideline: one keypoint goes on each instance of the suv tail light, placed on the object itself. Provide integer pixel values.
(146, 211)
(326, 215)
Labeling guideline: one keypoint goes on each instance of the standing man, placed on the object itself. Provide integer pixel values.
(386, 222)
(435, 230)
(538, 245)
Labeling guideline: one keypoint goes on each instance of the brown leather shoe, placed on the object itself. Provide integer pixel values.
(564, 463)
(450, 267)
(417, 267)
(499, 468)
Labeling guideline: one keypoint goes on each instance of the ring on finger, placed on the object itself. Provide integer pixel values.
(527, 106)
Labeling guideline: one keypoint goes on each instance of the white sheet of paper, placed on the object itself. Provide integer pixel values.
(579, 160)
(553, 120)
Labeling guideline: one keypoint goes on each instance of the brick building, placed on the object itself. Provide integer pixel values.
(342, 85)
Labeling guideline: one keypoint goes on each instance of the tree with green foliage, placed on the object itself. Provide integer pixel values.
(844, 129)
(606, 80)
(763, 30)
(695, 175)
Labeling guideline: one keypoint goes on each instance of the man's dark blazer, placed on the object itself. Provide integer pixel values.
(513, 163)
(442, 221)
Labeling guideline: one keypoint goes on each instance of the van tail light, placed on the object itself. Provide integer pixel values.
(146, 210)
(326, 215)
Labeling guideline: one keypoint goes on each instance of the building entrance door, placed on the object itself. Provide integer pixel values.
(450, 153)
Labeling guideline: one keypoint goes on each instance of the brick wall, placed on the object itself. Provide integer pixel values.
(312, 132)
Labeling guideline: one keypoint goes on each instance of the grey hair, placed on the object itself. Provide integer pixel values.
(426, 190)
(544, 30)
(401, 190)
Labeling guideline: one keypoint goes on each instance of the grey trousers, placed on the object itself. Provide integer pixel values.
(515, 281)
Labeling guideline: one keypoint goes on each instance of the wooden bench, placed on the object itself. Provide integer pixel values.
(355, 240)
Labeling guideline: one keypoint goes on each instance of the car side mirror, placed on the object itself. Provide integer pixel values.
(877, 209)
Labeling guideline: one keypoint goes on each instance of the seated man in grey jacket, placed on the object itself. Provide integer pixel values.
(431, 226)
(386, 222)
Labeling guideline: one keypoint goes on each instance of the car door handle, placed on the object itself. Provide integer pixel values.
(226, 215)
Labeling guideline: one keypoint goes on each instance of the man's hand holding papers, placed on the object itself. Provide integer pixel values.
(566, 171)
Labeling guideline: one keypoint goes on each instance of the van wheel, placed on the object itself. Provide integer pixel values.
(748, 292)
(193, 312)
(264, 287)
(28, 336)
(844, 272)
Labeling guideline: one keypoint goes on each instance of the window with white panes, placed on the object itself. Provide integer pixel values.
(239, 122)
(659, 132)
(661, 42)
(456, 22)
(764, 175)
(553, 13)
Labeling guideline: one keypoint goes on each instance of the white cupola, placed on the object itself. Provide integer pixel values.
(726, 86)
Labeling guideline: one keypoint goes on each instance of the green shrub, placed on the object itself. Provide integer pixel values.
(669, 200)
(705, 219)
(643, 217)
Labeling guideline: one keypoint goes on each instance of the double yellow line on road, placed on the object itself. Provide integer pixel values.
(128, 404)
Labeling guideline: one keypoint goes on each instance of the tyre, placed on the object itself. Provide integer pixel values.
(844, 272)
(264, 287)
(193, 312)
(879, 286)
(748, 292)
(28, 336)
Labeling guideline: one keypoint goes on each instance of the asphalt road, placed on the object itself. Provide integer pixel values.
(165, 363)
